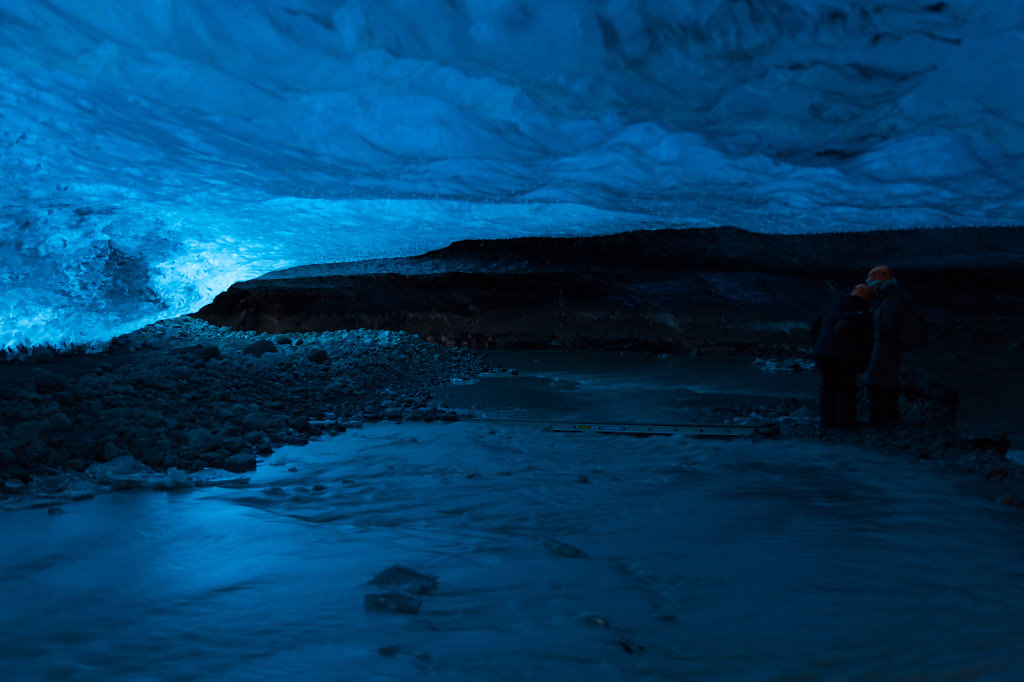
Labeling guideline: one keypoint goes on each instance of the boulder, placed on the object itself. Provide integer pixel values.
(259, 348)
(255, 437)
(253, 421)
(234, 445)
(398, 578)
(65, 398)
(29, 431)
(48, 382)
(18, 472)
(239, 463)
(300, 424)
(201, 440)
(152, 457)
(60, 423)
(317, 356)
(200, 352)
(392, 602)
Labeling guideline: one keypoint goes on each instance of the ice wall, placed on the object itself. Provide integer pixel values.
(154, 152)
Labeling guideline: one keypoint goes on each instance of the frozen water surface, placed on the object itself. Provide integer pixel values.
(153, 153)
(725, 560)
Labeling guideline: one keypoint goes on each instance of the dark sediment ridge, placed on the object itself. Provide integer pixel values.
(675, 291)
(314, 350)
(665, 291)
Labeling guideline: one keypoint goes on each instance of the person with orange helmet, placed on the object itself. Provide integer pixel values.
(844, 334)
(882, 376)
(878, 275)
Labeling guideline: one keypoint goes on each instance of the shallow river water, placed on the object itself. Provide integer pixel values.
(701, 559)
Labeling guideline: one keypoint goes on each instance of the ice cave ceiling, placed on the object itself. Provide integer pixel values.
(154, 152)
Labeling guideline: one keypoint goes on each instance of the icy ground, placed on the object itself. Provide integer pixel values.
(153, 153)
(562, 556)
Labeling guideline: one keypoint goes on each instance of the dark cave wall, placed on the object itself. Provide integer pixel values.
(665, 290)
(662, 311)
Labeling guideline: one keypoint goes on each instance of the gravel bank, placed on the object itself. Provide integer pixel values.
(183, 399)
(184, 395)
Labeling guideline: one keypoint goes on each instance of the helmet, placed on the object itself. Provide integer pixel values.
(879, 274)
(863, 291)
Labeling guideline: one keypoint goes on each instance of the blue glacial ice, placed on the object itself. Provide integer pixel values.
(153, 153)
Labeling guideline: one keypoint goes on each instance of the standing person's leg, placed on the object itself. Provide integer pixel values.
(846, 397)
(884, 405)
(828, 394)
(891, 405)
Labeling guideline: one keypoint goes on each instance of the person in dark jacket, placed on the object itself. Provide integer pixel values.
(842, 350)
(883, 373)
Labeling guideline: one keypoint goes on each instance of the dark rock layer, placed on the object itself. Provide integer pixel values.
(679, 291)
(666, 290)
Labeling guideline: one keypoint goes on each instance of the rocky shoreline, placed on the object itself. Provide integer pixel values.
(317, 350)
(177, 400)
(185, 395)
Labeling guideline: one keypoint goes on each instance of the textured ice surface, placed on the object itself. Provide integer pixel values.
(724, 560)
(153, 153)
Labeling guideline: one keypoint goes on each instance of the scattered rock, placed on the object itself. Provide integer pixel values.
(300, 424)
(60, 423)
(629, 647)
(48, 382)
(254, 421)
(317, 355)
(401, 579)
(255, 437)
(203, 352)
(259, 348)
(234, 445)
(201, 440)
(18, 472)
(28, 431)
(562, 549)
(595, 619)
(152, 457)
(43, 356)
(110, 452)
(240, 463)
(392, 602)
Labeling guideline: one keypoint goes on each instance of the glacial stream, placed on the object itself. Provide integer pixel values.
(559, 556)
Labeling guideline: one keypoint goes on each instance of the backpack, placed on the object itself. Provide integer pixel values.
(913, 329)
